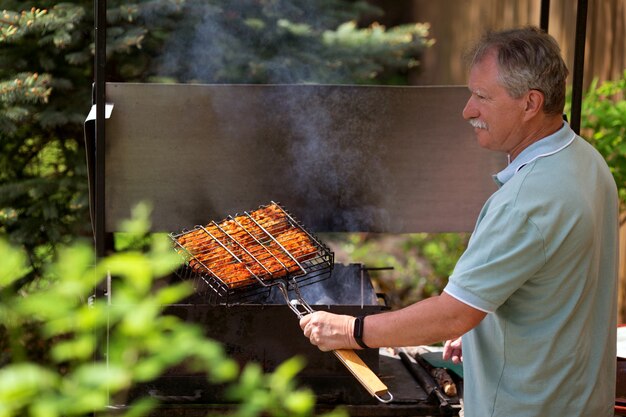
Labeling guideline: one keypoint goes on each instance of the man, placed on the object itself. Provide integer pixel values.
(534, 294)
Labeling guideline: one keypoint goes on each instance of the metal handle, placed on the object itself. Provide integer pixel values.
(297, 303)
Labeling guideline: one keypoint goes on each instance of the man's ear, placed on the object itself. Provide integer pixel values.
(534, 103)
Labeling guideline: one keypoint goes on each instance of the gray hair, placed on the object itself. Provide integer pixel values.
(528, 59)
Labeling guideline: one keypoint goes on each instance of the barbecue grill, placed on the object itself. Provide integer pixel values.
(226, 164)
(266, 248)
(263, 329)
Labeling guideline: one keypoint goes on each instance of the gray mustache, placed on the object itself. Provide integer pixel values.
(478, 124)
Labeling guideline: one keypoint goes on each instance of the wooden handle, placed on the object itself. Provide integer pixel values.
(362, 372)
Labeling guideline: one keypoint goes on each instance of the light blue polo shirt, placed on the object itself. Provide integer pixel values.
(542, 261)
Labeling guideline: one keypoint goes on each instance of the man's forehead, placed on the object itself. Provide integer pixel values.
(484, 76)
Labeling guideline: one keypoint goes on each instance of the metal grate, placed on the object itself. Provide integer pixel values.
(241, 257)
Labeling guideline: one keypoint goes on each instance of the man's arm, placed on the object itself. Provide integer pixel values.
(434, 319)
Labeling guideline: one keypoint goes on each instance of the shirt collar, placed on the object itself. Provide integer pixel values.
(544, 147)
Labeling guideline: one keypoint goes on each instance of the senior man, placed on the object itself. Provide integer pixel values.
(534, 294)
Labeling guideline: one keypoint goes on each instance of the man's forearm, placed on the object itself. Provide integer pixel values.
(432, 320)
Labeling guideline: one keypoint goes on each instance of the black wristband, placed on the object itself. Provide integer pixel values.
(358, 331)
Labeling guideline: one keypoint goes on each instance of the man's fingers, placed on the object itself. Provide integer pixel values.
(304, 321)
(447, 350)
(453, 350)
(310, 328)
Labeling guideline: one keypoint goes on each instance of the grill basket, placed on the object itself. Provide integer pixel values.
(239, 259)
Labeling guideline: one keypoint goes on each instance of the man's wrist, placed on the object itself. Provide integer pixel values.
(359, 325)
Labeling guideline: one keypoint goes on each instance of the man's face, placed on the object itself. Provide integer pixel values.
(495, 115)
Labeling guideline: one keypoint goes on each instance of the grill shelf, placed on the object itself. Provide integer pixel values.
(241, 258)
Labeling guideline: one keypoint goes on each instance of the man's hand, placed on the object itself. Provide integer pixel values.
(452, 350)
(329, 331)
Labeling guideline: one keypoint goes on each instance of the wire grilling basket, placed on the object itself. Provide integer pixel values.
(244, 256)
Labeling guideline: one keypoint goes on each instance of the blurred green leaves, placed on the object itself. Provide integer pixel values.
(604, 125)
(13, 265)
(419, 263)
(91, 351)
(276, 392)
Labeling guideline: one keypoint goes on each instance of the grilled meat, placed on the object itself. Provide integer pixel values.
(261, 245)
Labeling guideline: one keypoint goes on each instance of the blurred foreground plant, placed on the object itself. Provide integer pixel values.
(89, 353)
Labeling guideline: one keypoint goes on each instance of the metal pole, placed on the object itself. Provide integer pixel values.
(579, 64)
(544, 18)
(100, 8)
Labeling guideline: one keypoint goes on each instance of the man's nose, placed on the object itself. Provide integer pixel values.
(469, 111)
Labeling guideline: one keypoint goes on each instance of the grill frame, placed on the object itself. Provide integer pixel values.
(217, 291)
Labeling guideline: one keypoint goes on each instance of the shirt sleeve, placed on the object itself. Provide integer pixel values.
(505, 250)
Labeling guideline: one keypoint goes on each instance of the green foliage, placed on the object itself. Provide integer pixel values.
(376, 54)
(286, 41)
(45, 94)
(421, 262)
(90, 354)
(603, 123)
(278, 394)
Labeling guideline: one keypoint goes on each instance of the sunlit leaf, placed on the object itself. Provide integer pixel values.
(284, 374)
(174, 293)
(99, 376)
(13, 264)
(140, 318)
(300, 402)
(21, 383)
(81, 348)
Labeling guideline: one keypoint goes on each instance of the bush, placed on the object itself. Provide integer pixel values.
(419, 263)
(604, 125)
(61, 355)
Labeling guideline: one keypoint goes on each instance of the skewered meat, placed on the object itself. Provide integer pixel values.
(445, 381)
(261, 245)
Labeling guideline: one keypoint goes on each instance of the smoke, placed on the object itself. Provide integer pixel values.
(334, 145)
(347, 285)
(195, 52)
(257, 42)
(336, 150)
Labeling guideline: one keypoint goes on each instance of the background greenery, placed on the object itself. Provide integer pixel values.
(415, 266)
(604, 125)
